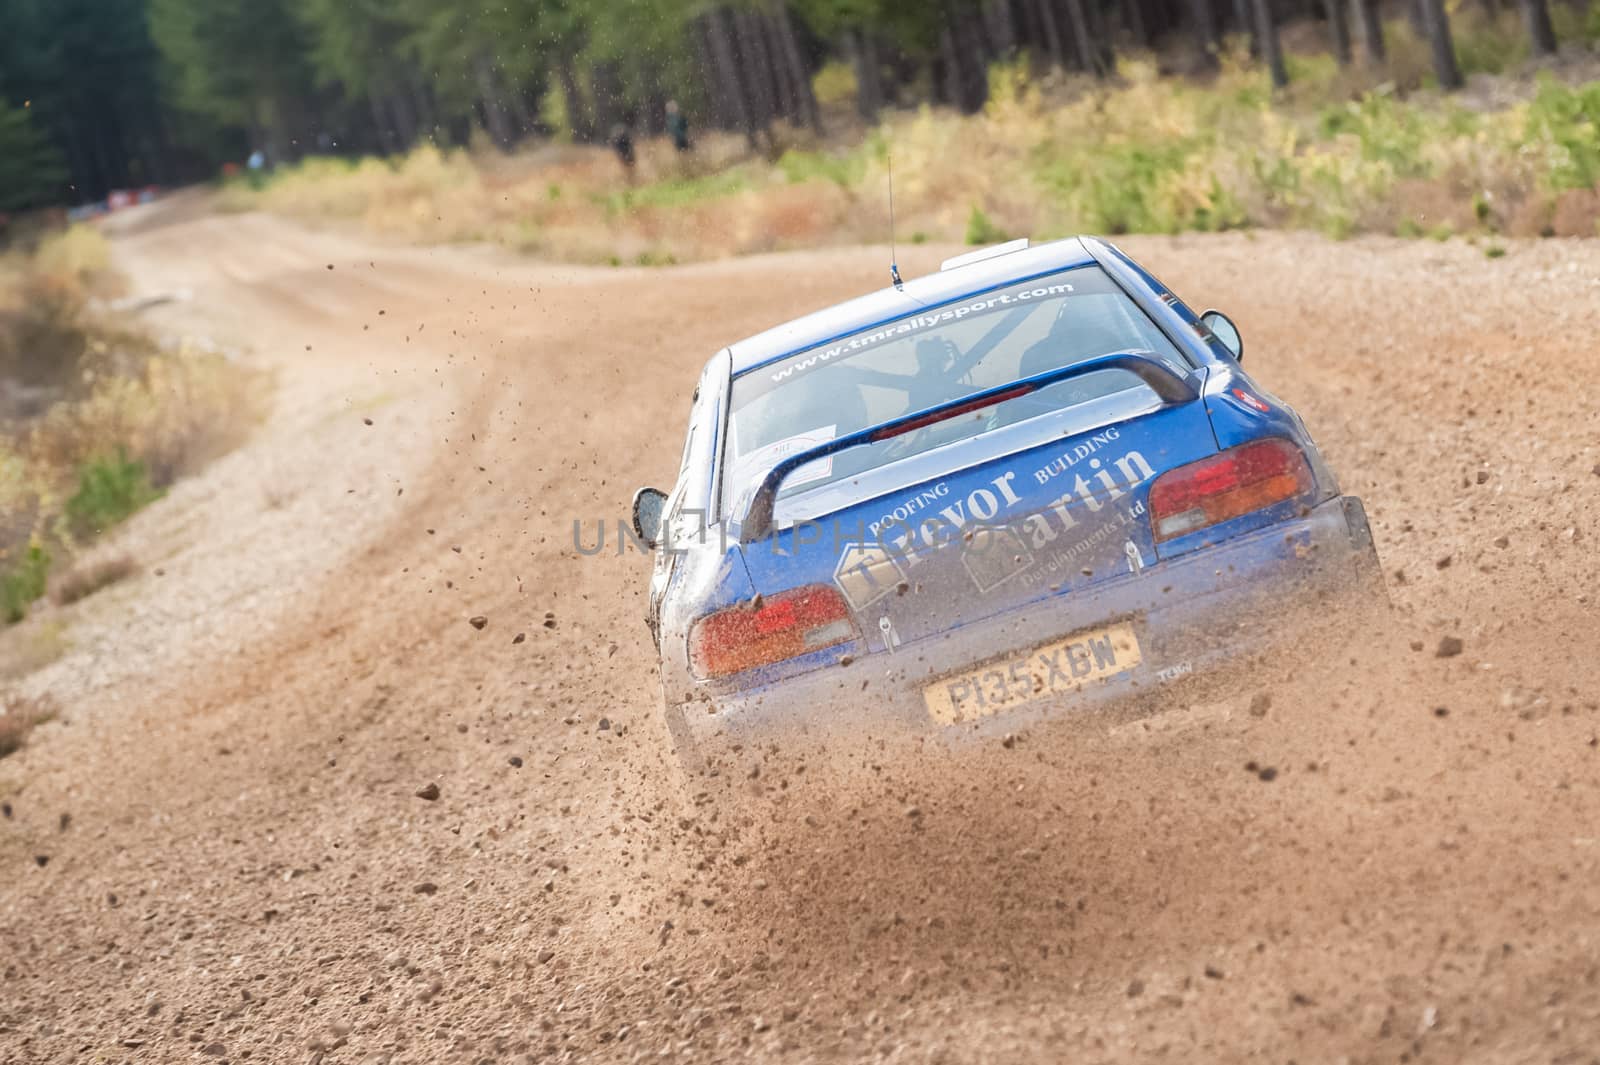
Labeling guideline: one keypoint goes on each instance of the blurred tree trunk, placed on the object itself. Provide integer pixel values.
(405, 119)
(1536, 17)
(1206, 35)
(1100, 33)
(719, 112)
(973, 51)
(720, 35)
(162, 165)
(422, 106)
(1000, 22)
(1082, 38)
(785, 93)
(495, 118)
(608, 98)
(949, 70)
(1371, 32)
(1441, 45)
(755, 69)
(805, 100)
(1135, 19)
(1339, 27)
(381, 127)
(579, 119)
(1244, 16)
(863, 51)
(962, 55)
(1046, 12)
(1271, 53)
(522, 111)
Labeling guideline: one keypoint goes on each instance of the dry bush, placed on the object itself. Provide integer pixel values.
(1418, 207)
(1575, 214)
(80, 253)
(1340, 151)
(1568, 213)
(83, 400)
(20, 716)
(174, 410)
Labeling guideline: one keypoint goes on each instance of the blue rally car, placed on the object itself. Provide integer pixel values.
(1032, 483)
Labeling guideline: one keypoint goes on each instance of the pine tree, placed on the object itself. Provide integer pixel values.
(243, 63)
(1440, 44)
(31, 171)
(1541, 34)
(1271, 51)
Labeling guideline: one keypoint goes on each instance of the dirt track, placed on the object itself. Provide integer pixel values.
(247, 872)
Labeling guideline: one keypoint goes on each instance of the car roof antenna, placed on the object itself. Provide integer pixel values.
(894, 267)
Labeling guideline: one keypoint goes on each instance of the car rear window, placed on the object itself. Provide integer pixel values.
(937, 355)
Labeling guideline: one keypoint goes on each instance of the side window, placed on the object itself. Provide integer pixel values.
(693, 488)
(681, 485)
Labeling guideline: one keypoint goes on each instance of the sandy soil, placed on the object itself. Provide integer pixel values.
(219, 852)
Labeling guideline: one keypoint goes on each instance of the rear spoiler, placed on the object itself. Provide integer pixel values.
(1166, 382)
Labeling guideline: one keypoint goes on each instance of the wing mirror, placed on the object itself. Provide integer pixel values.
(1223, 329)
(649, 504)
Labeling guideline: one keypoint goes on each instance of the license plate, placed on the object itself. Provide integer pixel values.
(1065, 665)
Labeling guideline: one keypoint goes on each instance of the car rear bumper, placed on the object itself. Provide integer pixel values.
(1191, 615)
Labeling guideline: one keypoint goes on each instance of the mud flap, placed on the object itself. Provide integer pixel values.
(684, 747)
(1369, 569)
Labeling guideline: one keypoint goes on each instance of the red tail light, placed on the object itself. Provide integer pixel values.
(1238, 481)
(785, 625)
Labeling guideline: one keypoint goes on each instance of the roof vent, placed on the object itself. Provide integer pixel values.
(991, 252)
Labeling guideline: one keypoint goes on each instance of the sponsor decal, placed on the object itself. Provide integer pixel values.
(1095, 492)
(996, 552)
(1076, 454)
(919, 323)
(915, 539)
(994, 557)
(1182, 669)
(1067, 556)
(928, 497)
(765, 458)
(866, 573)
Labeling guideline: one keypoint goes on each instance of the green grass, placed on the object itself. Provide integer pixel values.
(110, 489)
(654, 257)
(679, 192)
(980, 230)
(845, 170)
(1563, 118)
(23, 583)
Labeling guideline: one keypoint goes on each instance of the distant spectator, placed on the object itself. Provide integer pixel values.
(257, 160)
(622, 144)
(677, 126)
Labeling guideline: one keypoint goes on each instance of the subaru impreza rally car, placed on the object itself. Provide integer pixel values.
(1028, 485)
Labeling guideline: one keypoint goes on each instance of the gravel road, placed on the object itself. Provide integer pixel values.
(1378, 852)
